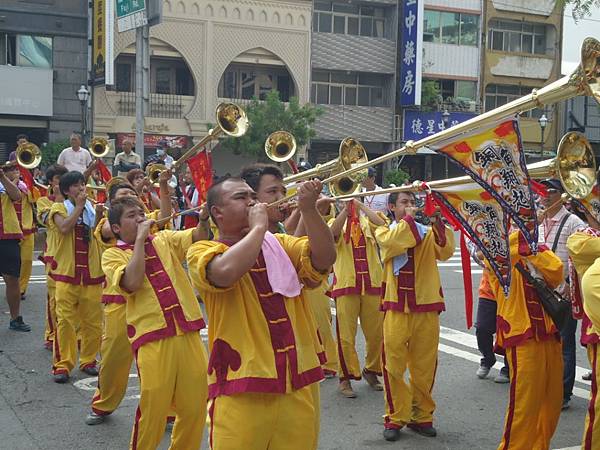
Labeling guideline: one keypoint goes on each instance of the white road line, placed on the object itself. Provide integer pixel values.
(473, 271)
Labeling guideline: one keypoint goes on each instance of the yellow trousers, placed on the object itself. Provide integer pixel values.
(536, 395)
(591, 433)
(321, 309)
(77, 305)
(117, 357)
(50, 310)
(410, 341)
(171, 371)
(256, 421)
(26, 245)
(349, 308)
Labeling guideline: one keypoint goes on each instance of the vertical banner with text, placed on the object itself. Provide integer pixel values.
(411, 52)
(98, 42)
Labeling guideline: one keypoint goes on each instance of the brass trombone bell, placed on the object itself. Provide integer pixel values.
(29, 155)
(153, 172)
(99, 147)
(280, 146)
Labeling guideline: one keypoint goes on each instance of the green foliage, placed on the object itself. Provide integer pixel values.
(51, 151)
(430, 95)
(271, 115)
(397, 177)
(581, 8)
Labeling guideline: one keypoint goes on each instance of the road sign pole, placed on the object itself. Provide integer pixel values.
(139, 91)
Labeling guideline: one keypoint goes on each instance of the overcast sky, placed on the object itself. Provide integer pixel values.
(573, 36)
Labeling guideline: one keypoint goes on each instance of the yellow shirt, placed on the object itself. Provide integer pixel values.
(24, 209)
(417, 287)
(165, 305)
(43, 206)
(590, 286)
(77, 254)
(521, 316)
(9, 222)
(259, 341)
(357, 269)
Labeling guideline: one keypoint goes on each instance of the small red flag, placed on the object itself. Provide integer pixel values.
(201, 167)
(27, 177)
(104, 172)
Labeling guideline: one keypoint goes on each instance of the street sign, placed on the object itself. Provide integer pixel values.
(131, 14)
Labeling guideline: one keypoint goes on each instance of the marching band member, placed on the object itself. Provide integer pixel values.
(78, 278)
(190, 198)
(43, 206)
(143, 187)
(163, 324)
(115, 349)
(584, 249)
(264, 352)
(10, 235)
(357, 290)
(412, 302)
(533, 350)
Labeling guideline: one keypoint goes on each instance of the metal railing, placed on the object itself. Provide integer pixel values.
(168, 106)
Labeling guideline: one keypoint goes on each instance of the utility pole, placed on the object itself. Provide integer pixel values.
(142, 84)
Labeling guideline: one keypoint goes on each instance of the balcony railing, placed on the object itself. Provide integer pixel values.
(167, 106)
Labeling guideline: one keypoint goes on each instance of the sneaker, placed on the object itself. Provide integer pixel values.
(18, 325)
(90, 369)
(61, 377)
(423, 430)
(328, 374)
(565, 405)
(482, 372)
(23, 296)
(94, 419)
(587, 376)
(391, 434)
(48, 345)
(346, 389)
(502, 378)
(372, 379)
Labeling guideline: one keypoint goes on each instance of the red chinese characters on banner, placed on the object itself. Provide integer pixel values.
(201, 167)
(152, 140)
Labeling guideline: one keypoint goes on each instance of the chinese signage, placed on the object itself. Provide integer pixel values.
(410, 52)
(418, 125)
(131, 14)
(152, 140)
(98, 42)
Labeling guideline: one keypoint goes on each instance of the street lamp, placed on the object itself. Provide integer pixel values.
(543, 122)
(83, 94)
(445, 122)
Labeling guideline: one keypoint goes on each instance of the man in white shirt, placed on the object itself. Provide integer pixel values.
(377, 202)
(127, 160)
(75, 157)
(556, 224)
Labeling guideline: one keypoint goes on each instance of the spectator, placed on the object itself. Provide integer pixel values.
(127, 160)
(22, 139)
(161, 156)
(377, 203)
(75, 157)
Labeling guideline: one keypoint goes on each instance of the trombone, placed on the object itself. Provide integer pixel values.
(574, 165)
(280, 146)
(28, 155)
(585, 80)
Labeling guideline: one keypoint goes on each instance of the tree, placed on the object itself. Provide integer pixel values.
(51, 151)
(396, 177)
(430, 95)
(581, 8)
(273, 115)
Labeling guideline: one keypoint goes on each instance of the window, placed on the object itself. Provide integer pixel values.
(124, 81)
(350, 89)
(456, 89)
(450, 28)
(246, 82)
(344, 18)
(500, 94)
(517, 37)
(163, 80)
(167, 76)
(25, 50)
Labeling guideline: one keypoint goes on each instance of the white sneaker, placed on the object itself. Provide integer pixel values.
(502, 378)
(482, 372)
(94, 419)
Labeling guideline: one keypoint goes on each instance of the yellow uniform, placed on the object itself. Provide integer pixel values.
(319, 302)
(24, 209)
(163, 323)
(9, 222)
(115, 349)
(79, 279)
(282, 357)
(43, 206)
(357, 290)
(412, 302)
(584, 250)
(533, 351)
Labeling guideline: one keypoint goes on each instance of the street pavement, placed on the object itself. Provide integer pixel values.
(36, 413)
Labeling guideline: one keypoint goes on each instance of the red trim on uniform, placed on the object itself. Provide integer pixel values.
(428, 307)
(512, 398)
(362, 275)
(138, 411)
(410, 220)
(587, 337)
(56, 356)
(440, 236)
(329, 372)
(589, 432)
(388, 393)
(113, 298)
(48, 314)
(345, 374)
(211, 414)
(419, 425)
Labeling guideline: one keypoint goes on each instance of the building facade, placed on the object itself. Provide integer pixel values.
(522, 52)
(353, 75)
(43, 62)
(204, 53)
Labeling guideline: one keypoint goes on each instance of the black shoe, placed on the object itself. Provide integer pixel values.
(391, 434)
(91, 370)
(423, 430)
(23, 296)
(61, 378)
(18, 325)
(565, 405)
